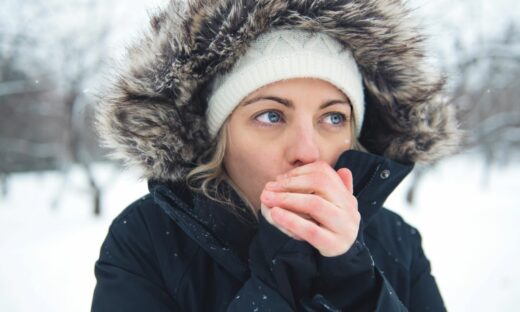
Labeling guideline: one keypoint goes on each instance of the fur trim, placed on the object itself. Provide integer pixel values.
(154, 114)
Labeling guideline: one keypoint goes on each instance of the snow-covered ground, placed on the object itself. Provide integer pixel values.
(48, 251)
(467, 217)
(467, 213)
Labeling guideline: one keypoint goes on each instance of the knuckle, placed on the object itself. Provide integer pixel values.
(311, 232)
(341, 214)
(315, 204)
(320, 166)
(353, 204)
(321, 178)
(290, 223)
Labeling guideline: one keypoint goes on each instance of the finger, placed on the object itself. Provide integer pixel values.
(307, 230)
(318, 209)
(308, 168)
(266, 212)
(312, 182)
(346, 177)
(317, 183)
(303, 184)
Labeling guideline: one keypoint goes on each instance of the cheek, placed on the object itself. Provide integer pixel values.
(250, 149)
(250, 158)
(332, 149)
(251, 163)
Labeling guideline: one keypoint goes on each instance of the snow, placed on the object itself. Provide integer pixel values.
(48, 252)
(466, 213)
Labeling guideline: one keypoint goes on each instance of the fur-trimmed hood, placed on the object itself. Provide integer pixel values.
(153, 116)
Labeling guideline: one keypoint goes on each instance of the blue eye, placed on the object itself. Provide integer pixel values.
(269, 117)
(335, 119)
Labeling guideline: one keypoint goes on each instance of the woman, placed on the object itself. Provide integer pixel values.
(271, 133)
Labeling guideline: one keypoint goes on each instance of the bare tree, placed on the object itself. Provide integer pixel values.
(485, 87)
(44, 79)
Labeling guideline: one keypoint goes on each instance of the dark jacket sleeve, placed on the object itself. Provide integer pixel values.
(289, 275)
(124, 280)
(282, 272)
(353, 282)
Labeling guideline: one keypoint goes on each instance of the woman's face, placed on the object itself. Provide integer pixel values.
(284, 125)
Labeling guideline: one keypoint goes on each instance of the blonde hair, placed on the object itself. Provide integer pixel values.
(207, 177)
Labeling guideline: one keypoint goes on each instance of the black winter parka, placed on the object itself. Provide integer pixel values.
(174, 250)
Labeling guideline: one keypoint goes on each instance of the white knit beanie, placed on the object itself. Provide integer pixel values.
(284, 54)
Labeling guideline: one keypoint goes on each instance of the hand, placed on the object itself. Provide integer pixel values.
(316, 204)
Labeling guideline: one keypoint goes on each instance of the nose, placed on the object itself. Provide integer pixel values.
(302, 146)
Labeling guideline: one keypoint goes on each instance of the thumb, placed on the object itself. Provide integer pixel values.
(346, 177)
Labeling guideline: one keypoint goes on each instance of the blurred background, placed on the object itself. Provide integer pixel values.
(59, 193)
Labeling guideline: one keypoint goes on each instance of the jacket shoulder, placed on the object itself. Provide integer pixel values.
(138, 224)
(143, 240)
(391, 221)
(140, 212)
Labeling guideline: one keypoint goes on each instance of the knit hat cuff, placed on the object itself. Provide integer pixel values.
(341, 72)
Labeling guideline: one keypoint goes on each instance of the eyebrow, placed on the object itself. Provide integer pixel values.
(290, 104)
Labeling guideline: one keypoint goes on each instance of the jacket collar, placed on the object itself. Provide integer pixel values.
(221, 234)
(375, 178)
(226, 236)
